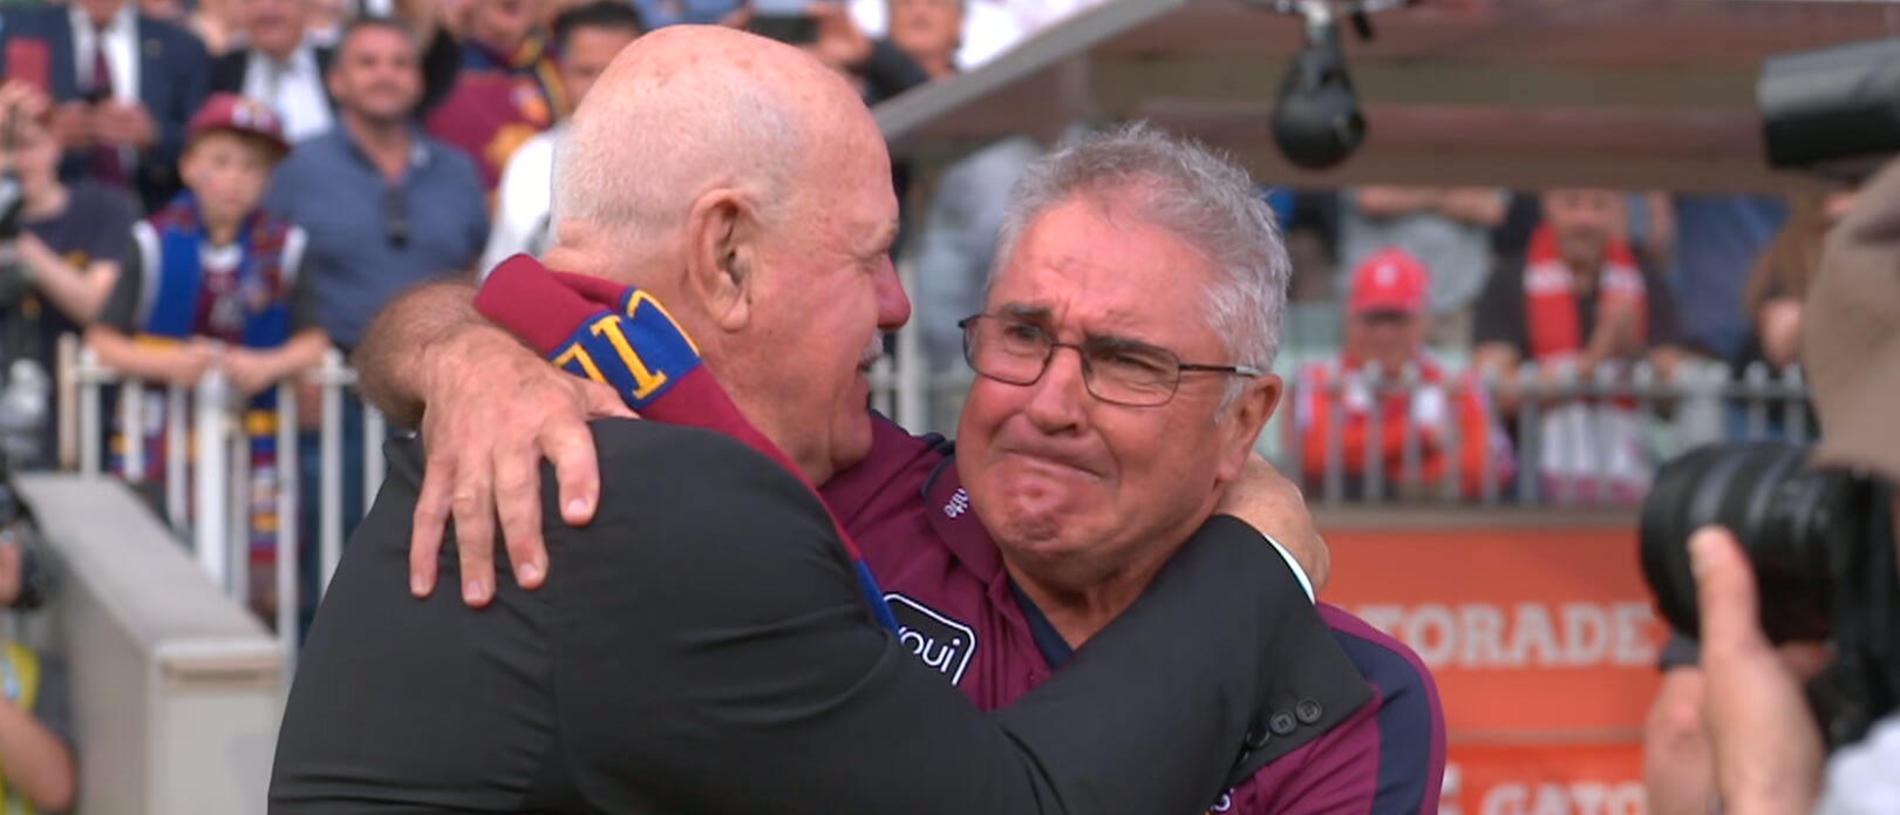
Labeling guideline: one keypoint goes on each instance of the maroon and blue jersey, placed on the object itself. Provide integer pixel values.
(959, 612)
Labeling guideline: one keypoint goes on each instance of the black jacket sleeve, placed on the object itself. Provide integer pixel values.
(713, 655)
(703, 647)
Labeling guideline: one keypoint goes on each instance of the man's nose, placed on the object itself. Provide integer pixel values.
(1058, 401)
(893, 306)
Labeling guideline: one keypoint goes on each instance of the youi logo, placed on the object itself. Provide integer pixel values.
(942, 644)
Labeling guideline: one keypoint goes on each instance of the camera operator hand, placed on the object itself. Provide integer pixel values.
(1767, 746)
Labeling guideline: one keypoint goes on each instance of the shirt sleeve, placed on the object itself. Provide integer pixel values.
(517, 215)
(1500, 317)
(117, 213)
(755, 651)
(121, 309)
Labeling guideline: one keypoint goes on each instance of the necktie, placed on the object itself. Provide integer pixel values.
(106, 165)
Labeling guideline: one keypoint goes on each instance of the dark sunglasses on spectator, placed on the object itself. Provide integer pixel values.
(396, 216)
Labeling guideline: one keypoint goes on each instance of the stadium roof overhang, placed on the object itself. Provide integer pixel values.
(1519, 93)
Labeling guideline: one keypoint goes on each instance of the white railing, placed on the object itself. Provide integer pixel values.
(1701, 403)
(207, 483)
(207, 499)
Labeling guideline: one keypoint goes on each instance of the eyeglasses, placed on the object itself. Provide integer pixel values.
(396, 216)
(1119, 372)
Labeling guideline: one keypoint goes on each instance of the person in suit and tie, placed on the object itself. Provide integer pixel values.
(284, 68)
(280, 67)
(124, 84)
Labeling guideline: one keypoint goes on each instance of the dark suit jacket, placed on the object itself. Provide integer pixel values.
(703, 647)
(174, 78)
(440, 64)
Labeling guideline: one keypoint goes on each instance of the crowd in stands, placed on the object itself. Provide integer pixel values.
(1528, 323)
(421, 137)
(239, 185)
(419, 142)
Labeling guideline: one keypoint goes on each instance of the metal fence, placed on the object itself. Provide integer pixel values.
(207, 492)
(1699, 403)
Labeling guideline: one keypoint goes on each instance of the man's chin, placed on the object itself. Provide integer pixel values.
(853, 440)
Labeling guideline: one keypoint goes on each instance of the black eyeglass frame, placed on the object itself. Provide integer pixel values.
(968, 326)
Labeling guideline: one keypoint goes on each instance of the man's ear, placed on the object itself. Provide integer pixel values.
(722, 256)
(1249, 413)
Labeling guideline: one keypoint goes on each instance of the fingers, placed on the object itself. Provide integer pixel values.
(473, 507)
(603, 401)
(429, 524)
(1725, 591)
(570, 445)
(518, 497)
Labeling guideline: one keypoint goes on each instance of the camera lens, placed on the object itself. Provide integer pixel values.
(1790, 522)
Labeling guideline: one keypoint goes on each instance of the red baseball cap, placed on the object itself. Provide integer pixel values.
(1391, 280)
(235, 114)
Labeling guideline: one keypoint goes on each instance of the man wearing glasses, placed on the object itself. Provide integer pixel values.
(1122, 355)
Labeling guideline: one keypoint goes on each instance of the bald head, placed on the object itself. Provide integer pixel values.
(690, 109)
(746, 186)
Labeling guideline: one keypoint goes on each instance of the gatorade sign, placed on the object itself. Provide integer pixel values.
(1543, 640)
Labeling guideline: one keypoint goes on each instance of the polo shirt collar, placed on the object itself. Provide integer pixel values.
(421, 152)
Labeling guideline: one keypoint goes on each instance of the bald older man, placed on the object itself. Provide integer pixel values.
(709, 643)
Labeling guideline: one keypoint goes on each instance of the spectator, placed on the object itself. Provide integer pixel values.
(1449, 230)
(881, 68)
(508, 89)
(957, 244)
(284, 66)
(125, 85)
(36, 758)
(1385, 327)
(72, 242)
(278, 67)
(216, 23)
(1772, 301)
(1718, 238)
(215, 283)
(929, 31)
(386, 207)
(586, 39)
(1578, 302)
(994, 26)
(1775, 290)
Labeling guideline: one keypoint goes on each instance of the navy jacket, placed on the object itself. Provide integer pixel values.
(174, 78)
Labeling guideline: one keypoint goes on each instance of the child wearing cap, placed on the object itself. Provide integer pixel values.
(212, 284)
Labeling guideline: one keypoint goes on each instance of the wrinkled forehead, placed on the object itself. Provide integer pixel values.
(1096, 269)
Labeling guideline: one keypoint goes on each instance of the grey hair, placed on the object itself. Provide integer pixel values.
(1183, 186)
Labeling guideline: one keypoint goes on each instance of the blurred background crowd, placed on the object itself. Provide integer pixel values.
(421, 144)
(1473, 344)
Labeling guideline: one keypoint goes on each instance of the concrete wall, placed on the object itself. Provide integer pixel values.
(177, 690)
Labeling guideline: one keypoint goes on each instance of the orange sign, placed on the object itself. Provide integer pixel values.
(1551, 779)
(1533, 633)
